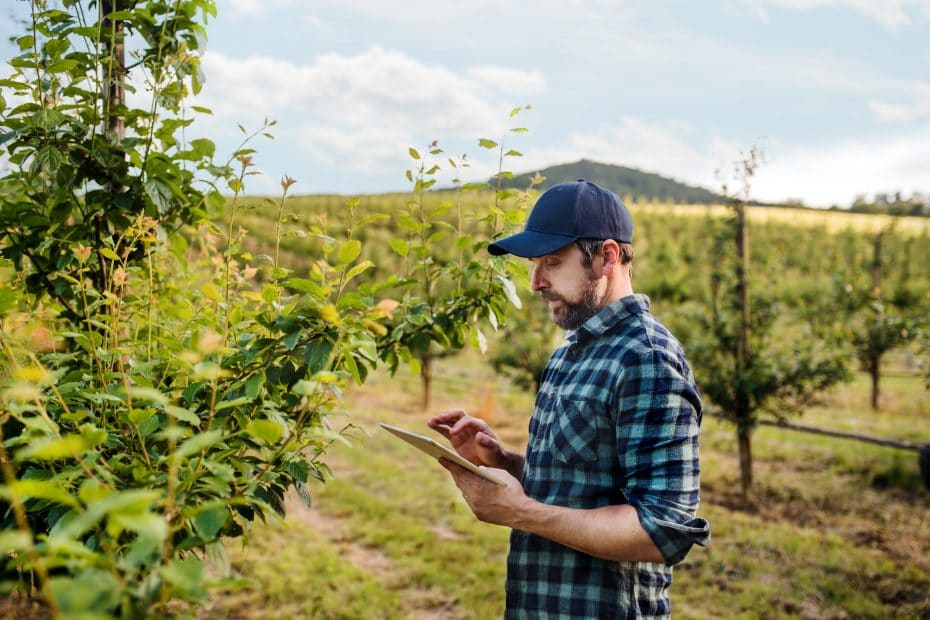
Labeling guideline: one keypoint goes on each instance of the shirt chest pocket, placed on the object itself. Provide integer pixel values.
(573, 432)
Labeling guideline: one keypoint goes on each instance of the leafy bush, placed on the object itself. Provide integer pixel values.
(162, 387)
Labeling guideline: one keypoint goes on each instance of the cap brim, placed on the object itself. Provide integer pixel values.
(530, 244)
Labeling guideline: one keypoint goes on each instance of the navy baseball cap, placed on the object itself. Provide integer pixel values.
(566, 212)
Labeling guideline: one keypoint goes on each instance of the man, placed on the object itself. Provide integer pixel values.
(603, 502)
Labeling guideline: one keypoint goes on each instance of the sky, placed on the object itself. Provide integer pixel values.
(835, 93)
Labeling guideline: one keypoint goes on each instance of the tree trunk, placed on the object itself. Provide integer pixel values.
(744, 441)
(877, 267)
(742, 247)
(426, 378)
(875, 361)
(744, 351)
(116, 71)
(875, 364)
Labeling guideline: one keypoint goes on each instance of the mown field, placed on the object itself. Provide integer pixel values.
(833, 529)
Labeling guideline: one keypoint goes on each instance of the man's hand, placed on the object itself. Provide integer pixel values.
(490, 502)
(470, 437)
(611, 532)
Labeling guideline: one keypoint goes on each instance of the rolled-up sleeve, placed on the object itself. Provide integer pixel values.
(657, 427)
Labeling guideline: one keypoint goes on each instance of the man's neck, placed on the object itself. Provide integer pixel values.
(617, 288)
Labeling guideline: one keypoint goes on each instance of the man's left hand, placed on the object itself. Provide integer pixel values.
(490, 502)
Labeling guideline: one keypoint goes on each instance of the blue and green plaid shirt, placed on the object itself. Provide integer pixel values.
(616, 422)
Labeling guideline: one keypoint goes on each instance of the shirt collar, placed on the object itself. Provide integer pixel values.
(608, 317)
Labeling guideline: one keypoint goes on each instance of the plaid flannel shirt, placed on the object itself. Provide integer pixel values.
(616, 421)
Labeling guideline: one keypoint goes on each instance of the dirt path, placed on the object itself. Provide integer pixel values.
(420, 604)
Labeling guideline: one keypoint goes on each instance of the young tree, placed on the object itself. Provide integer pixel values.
(744, 359)
(154, 399)
(86, 164)
(525, 345)
(881, 328)
(447, 290)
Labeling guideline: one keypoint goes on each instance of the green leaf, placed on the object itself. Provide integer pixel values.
(235, 402)
(305, 286)
(197, 443)
(60, 66)
(92, 593)
(147, 393)
(316, 355)
(481, 340)
(413, 153)
(131, 502)
(48, 158)
(253, 385)
(510, 290)
(39, 489)
(54, 449)
(290, 341)
(265, 430)
(183, 415)
(185, 575)
(271, 293)
(159, 194)
(210, 520)
(487, 144)
(358, 269)
(48, 119)
(14, 540)
(399, 246)
(25, 42)
(108, 253)
(349, 251)
(148, 525)
(94, 436)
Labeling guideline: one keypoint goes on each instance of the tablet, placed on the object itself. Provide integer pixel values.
(437, 450)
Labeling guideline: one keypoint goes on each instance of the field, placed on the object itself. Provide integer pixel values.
(833, 529)
(810, 218)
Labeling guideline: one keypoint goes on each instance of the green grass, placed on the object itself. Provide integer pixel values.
(296, 573)
(833, 528)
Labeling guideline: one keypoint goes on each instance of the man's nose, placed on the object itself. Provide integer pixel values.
(538, 282)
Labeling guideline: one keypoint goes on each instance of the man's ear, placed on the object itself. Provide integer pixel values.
(610, 255)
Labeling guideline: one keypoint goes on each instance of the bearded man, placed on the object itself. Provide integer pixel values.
(604, 500)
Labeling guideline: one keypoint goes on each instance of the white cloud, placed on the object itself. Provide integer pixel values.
(361, 112)
(247, 8)
(510, 80)
(668, 149)
(832, 174)
(836, 173)
(917, 110)
(892, 14)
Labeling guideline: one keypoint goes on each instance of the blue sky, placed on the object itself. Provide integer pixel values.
(835, 92)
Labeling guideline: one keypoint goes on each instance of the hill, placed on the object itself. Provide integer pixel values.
(625, 182)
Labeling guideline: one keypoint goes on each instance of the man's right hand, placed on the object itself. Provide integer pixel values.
(472, 438)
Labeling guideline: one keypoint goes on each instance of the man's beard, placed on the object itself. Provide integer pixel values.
(574, 314)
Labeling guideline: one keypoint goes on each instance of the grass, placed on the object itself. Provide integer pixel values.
(833, 528)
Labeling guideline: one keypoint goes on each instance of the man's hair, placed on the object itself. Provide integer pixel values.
(592, 247)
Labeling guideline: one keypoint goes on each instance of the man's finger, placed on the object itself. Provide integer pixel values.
(465, 423)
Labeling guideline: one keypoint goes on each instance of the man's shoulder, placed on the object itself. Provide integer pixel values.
(641, 334)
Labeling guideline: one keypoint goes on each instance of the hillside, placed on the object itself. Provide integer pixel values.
(625, 182)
